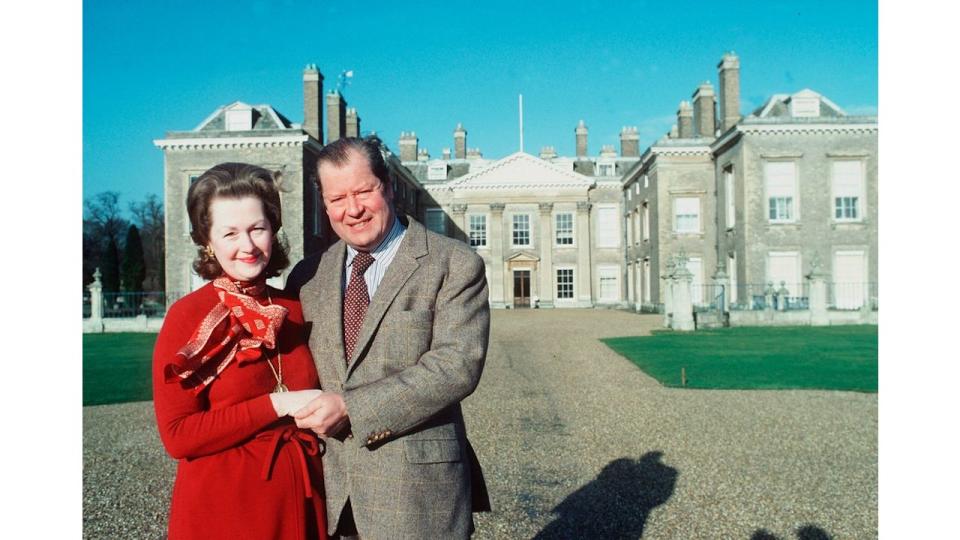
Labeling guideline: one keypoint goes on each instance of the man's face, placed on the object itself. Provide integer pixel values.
(357, 203)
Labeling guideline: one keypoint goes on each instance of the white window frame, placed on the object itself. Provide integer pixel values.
(486, 230)
(730, 194)
(645, 209)
(794, 196)
(676, 214)
(646, 298)
(556, 229)
(611, 270)
(697, 281)
(240, 119)
(860, 195)
(602, 165)
(443, 220)
(573, 283)
(513, 230)
(612, 241)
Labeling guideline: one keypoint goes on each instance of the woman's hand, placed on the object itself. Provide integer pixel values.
(287, 403)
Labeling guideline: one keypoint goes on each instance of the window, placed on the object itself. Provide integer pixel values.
(239, 119)
(437, 221)
(564, 227)
(521, 230)
(686, 212)
(730, 196)
(606, 169)
(783, 267)
(695, 266)
(781, 184)
(732, 273)
(646, 280)
(609, 283)
(646, 221)
(849, 279)
(646, 182)
(847, 190)
(437, 171)
(608, 227)
(564, 283)
(629, 195)
(478, 230)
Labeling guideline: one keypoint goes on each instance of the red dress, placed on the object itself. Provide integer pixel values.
(228, 438)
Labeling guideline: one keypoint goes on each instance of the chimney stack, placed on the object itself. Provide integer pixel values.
(312, 101)
(704, 111)
(336, 116)
(446, 154)
(408, 146)
(629, 142)
(548, 152)
(423, 155)
(685, 120)
(460, 142)
(729, 69)
(474, 153)
(353, 122)
(581, 132)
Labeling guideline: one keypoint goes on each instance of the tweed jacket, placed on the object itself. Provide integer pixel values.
(406, 465)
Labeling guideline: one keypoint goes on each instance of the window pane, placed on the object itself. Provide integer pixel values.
(564, 227)
(436, 221)
(608, 227)
(478, 231)
(565, 283)
(521, 230)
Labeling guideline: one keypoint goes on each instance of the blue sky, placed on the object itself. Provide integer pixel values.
(152, 67)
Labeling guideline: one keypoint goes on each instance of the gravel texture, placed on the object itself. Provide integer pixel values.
(576, 442)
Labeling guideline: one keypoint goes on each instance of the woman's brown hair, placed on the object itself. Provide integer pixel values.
(234, 181)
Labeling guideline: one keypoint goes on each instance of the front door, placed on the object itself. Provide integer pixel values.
(521, 288)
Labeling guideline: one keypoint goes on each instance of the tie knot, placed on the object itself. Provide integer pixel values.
(361, 261)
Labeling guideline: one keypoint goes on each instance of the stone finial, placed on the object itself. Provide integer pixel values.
(97, 275)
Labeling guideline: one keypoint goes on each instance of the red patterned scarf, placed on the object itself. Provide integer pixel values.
(238, 327)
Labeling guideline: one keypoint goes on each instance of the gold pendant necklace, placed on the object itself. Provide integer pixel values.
(277, 373)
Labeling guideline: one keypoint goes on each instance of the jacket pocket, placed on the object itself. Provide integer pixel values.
(431, 450)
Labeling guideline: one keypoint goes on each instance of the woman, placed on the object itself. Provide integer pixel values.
(230, 367)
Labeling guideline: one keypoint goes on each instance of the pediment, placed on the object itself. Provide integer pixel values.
(522, 171)
(522, 256)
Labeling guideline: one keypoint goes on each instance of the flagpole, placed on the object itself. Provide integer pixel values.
(521, 122)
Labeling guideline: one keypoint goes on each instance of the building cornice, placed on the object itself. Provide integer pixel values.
(741, 129)
(226, 143)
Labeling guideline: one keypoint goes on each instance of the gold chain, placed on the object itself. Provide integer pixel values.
(277, 373)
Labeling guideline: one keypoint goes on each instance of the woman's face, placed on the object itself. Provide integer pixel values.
(241, 237)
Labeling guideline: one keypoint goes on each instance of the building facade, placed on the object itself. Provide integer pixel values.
(756, 203)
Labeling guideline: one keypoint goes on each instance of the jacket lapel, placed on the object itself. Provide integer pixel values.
(331, 298)
(404, 264)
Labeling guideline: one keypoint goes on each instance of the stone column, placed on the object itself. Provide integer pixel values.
(546, 255)
(667, 292)
(96, 302)
(818, 294)
(460, 222)
(682, 299)
(584, 271)
(496, 238)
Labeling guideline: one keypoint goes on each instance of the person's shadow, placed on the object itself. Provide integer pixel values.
(807, 532)
(617, 503)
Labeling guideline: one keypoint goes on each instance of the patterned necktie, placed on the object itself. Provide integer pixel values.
(355, 302)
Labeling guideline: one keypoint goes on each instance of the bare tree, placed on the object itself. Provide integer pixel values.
(103, 223)
(148, 216)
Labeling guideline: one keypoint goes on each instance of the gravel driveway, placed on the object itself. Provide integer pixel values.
(576, 442)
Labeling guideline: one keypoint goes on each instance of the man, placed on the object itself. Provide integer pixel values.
(398, 321)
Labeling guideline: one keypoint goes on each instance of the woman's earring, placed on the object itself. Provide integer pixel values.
(208, 251)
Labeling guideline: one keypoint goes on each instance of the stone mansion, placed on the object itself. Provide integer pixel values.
(743, 201)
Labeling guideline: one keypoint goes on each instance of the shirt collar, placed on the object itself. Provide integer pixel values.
(382, 246)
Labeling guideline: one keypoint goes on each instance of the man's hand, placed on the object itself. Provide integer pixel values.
(287, 403)
(326, 415)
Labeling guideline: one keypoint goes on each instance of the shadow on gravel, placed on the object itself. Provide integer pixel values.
(617, 503)
(807, 532)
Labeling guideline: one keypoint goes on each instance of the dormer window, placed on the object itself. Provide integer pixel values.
(805, 106)
(240, 119)
(437, 171)
(605, 169)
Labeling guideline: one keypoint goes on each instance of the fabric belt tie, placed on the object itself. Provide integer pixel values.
(303, 442)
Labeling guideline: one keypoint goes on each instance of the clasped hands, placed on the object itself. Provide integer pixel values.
(323, 412)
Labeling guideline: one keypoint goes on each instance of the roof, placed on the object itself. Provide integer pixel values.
(265, 117)
(781, 106)
(522, 171)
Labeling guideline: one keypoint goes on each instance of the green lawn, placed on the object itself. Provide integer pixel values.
(116, 368)
(800, 357)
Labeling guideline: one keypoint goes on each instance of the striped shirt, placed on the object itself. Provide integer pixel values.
(383, 255)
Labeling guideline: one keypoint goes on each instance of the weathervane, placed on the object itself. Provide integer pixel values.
(344, 79)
